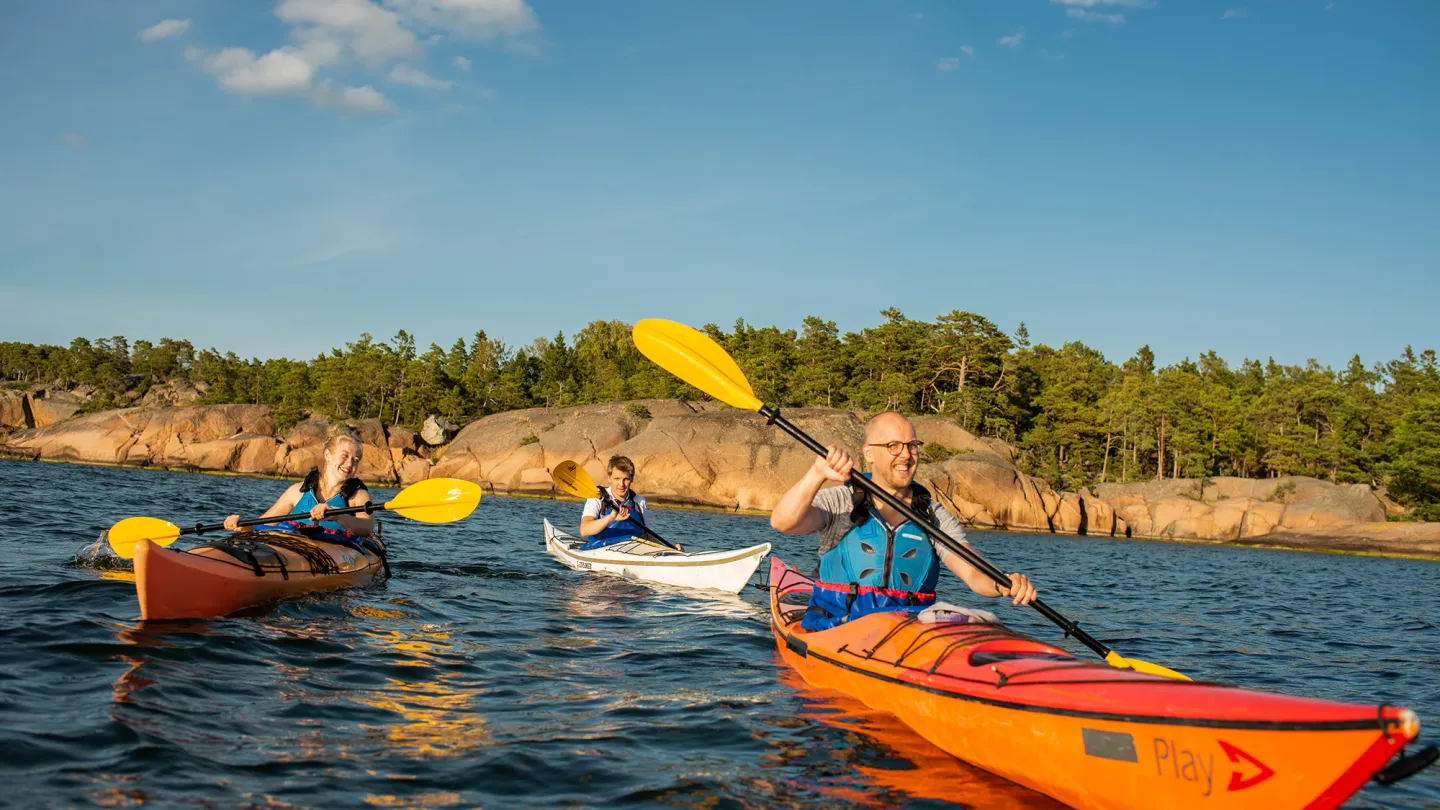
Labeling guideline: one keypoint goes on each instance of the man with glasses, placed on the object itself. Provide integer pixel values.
(871, 557)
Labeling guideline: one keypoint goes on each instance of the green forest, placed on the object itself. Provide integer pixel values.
(1077, 417)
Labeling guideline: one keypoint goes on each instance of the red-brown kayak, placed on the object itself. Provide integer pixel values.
(219, 579)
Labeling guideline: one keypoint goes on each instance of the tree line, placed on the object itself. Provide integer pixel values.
(1076, 417)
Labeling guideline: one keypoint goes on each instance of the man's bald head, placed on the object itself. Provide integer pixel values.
(888, 427)
(894, 471)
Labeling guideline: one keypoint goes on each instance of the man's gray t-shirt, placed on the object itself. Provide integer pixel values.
(835, 504)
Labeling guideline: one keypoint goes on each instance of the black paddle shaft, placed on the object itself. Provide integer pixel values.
(772, 415)
(368, 508)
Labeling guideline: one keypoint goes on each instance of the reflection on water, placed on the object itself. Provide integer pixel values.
(423, 800)
(886, 763)
(485, 674)
(437, 709)
(437, 718)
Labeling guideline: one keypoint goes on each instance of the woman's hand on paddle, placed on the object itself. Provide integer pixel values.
(835, 466)
(1021, 588)
(232, 523)
(317, 512)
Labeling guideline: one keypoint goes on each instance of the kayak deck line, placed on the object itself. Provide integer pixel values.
(207, 582)
(648, 560)
(1038, 716)
(1384, 724)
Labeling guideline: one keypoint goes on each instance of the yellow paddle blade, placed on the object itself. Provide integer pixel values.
(436, 500)
(572, 479)
(695, 358)
(124, 535)
(1115, 659)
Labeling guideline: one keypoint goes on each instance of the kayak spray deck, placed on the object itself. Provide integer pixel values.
(219, 578)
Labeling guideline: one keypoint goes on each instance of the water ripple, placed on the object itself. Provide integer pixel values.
(485, 674)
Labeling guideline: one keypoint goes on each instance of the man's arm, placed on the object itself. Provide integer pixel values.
(590, 522)
(978, 581)
(795, 514)
(970, 575)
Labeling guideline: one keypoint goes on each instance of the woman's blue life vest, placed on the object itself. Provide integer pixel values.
(326, 529)
(875, 568)
(620, 530)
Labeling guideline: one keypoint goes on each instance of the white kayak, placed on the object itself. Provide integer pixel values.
(641, 559)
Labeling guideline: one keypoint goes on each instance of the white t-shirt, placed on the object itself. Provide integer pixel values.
(593, 508)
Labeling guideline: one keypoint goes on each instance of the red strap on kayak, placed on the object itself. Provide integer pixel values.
(300, 525)
(890, 592)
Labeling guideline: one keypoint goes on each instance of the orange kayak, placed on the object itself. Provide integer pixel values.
(256, 568)
(1081, 731)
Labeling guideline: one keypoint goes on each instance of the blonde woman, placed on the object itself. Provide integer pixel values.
(329, 486)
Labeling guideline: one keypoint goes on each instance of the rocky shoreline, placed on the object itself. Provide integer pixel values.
(710, 456)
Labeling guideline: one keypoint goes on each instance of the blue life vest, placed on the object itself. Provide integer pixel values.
(326, 529)
(875, 568)
(620, 530)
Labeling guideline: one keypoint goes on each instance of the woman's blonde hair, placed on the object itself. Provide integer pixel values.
(344, 435)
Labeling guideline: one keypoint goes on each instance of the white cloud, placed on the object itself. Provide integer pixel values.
(406, 75)
(284, 72)
(164, 30)
(373, 34)
(351, 99)
(917, 15)
(1013, 40)
(74, 139)
(239, 70)
(1329, 6)
(1067, 34)
(476, 19)
(1233, 14)
(947, 64)
(1094, 16)
(1094, 3)
(967, 50)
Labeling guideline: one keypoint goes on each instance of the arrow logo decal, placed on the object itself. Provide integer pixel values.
(1237, 781)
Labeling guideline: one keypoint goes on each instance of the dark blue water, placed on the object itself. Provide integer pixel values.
(485, 674)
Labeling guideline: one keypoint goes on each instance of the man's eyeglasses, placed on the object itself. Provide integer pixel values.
(896, 447)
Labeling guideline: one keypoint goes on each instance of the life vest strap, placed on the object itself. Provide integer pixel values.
(307, 528)
(348, 487)
(854, 588)
(861, 502)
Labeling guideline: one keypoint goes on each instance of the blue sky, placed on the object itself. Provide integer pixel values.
(1257, 177)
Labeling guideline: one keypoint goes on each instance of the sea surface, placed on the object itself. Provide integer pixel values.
(485, 674)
